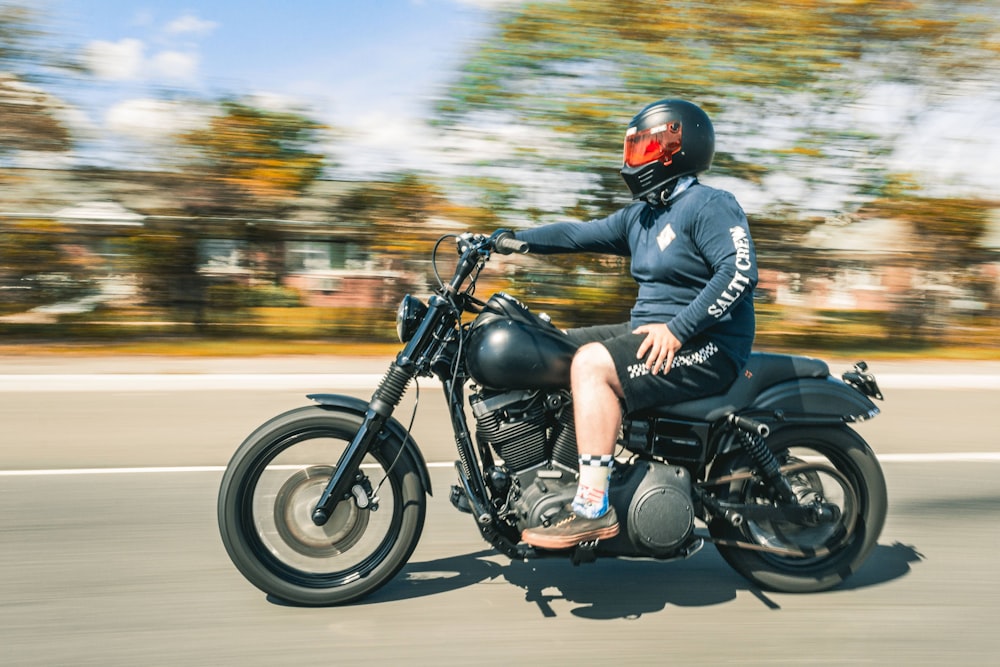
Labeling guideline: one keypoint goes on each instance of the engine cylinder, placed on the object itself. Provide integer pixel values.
(513, 424)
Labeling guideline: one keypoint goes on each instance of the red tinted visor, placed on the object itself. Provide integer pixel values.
(657, 143)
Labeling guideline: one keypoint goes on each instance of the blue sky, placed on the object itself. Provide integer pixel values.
(356, 64)
(401, 47)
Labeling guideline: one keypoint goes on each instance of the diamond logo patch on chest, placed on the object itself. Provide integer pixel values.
(664, 238)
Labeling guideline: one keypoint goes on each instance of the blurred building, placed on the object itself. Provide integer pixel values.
(330, 262)
(327, 261)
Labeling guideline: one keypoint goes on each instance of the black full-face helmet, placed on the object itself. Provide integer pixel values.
(664, 141)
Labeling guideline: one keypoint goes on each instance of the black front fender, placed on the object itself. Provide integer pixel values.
(360, 408)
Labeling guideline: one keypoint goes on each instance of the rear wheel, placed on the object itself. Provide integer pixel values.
(831, 467)
(268, 493)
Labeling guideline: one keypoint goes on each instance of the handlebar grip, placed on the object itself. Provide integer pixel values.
(506, 244)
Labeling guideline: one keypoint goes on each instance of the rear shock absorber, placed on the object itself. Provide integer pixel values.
(752, 435)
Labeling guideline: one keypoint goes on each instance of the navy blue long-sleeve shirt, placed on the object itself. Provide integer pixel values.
(693, 259)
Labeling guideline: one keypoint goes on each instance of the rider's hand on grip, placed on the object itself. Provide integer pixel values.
(505, 243)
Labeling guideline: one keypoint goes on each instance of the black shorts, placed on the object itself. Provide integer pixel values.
(700, 368)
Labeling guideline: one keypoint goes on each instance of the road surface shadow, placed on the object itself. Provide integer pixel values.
(616, 588)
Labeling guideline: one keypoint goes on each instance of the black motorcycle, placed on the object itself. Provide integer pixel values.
(325, 503)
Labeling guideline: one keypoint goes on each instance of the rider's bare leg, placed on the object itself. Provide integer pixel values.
(597, 412)
(597, 395)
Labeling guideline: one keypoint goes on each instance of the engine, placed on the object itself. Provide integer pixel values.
(520, 425)
(532, 432)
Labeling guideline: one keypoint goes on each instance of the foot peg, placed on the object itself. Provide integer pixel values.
(460, 500)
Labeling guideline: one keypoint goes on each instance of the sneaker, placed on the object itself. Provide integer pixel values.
(569, 529)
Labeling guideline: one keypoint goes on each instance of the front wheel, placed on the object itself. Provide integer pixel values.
(830, 466)
(271, 486)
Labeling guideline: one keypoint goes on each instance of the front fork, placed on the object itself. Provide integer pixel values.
(390, 392)
(380, 408)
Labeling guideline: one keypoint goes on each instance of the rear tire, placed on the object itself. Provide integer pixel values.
(844, 545)
(271, 486)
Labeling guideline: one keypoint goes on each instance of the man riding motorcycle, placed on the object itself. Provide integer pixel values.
(692, 325)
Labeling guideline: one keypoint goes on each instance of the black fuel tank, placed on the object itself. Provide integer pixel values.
(512, 348)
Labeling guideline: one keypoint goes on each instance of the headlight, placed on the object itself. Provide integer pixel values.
(411, 312)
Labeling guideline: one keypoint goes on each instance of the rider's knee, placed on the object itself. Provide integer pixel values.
(591, 359)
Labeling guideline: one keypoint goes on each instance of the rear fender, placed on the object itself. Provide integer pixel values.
(360, 408)
(804, 401)
(815, 401)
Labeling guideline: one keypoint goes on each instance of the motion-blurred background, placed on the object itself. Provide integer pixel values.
(281, 173)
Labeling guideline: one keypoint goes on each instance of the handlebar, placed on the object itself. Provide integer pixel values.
(475, 249)
(505, 243)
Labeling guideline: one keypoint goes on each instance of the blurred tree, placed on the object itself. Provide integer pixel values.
(251, 160)
(402, 217)
(775, 76)
(165, 256)
(938, 222)
(778, 78)
(239, 176)
(29, 117)
(36, 266)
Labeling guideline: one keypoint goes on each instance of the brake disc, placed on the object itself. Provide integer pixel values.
(293, 507)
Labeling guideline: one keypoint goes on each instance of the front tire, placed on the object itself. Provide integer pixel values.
(837, 549)
(271, 486)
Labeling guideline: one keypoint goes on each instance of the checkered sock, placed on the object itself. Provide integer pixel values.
(591, 499)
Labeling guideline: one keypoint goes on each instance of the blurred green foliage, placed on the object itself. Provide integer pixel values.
(251, 159)
(28, 116)
(579, 69)
(779, 81)
(36, 268)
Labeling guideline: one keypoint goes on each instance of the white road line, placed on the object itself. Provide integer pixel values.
(952, 457)
(937, 381)
(136, 382)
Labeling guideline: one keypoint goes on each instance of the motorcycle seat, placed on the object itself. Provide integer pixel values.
(762, 370)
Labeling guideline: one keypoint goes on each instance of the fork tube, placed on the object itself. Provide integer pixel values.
(381, 407)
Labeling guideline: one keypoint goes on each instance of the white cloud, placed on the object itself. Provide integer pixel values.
(117, 61)
(189, 24)
(126, 60)
(954, 147)
(154, 120)
(278, 102)
(174, 65)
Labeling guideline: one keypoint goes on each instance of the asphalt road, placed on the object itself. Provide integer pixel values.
(109, 552)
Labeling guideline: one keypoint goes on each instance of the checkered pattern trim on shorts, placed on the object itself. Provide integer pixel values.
(695, 358)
